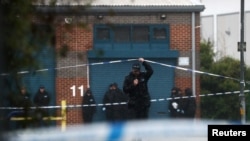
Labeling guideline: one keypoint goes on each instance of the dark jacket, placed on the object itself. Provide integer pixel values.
(138, 95)
(42, 99)
(175, 104)
(24, 100)
(116, 108)
(88, 109)
(189, 104)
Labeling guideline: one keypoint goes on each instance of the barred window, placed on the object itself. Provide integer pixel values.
(131, 36)
(159, 33)
(122, 34)
(103, 34)
(140, 34)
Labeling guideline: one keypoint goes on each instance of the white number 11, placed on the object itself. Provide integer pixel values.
(73, 88)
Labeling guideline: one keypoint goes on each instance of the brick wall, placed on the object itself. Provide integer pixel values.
(79, 40)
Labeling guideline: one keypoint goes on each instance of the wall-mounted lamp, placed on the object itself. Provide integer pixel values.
(99, 16)
(68, 20)
(163, 17)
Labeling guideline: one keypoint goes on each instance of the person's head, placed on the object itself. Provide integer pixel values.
(180, 92)
(136, 68)
(174, 91)
(88, 92)
(113, 86)
(23, 90)
(188, 92)
(41, 88)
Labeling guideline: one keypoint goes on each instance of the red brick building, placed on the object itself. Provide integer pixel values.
(165, 32)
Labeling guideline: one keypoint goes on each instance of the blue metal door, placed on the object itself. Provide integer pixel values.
(160, 83)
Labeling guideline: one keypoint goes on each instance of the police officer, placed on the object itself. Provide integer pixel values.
(175, 106)
(41, 99)
(88, 111)
(115, 112)
(24, 98)
(24, 101)
(135, 86)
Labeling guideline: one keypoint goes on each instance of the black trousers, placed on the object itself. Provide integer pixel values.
(138, 113)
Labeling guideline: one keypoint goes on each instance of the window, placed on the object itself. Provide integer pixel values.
(159, 33)
(122, 34)
(131, 36)
(103, 34)
(141, 34)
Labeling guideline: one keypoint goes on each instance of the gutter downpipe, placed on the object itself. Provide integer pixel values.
(88, 85)
(193, 55)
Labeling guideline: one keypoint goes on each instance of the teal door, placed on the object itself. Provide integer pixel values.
(160, 83)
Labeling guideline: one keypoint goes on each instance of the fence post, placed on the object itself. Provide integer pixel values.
(63, 115)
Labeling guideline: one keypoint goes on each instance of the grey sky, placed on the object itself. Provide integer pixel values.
(223, 6)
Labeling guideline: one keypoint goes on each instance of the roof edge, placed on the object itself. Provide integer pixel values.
(118, 9)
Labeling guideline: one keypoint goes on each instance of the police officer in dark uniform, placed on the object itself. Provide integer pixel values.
(41, 99)
(88, 111)
(189, 104)
(24, 98)
(175, 106)
(115, 112)
(24, 101)
(135, 86)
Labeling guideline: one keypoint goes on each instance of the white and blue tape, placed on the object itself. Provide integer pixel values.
(122, 103)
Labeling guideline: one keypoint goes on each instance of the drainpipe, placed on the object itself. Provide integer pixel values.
(88, 86)
(193, 54)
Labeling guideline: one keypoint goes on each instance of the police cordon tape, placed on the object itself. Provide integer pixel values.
(200, 72)
(67, 67)
(127, 60)
(120, 61)
(123, 103)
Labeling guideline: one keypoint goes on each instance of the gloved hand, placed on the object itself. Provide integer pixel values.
(175, 105)
(182, 111)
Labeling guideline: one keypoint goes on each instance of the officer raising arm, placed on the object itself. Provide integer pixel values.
(135, 86)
